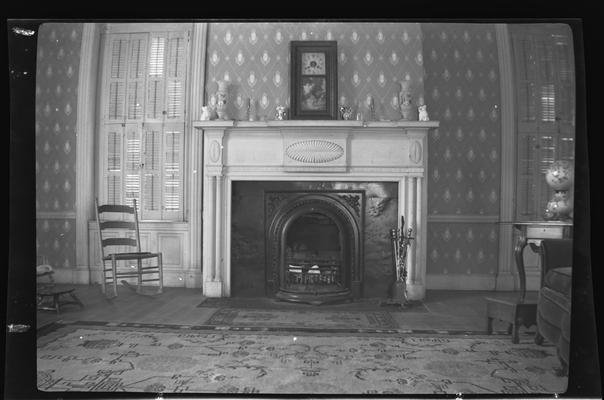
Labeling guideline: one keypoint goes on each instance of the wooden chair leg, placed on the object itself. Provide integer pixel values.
(139, 275)
(55, 302)
(160, 265)
(114, 275)
(104, 278)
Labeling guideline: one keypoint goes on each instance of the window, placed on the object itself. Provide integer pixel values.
(143, 118)
(545, 98)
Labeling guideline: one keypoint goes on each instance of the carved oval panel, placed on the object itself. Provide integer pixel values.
(214, 151)
(415, 152)
(314, 151)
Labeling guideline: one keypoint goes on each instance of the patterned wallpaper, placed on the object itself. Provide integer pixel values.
(58, 60)
(372, 59)
(462, 248)
(454, 66)
(462, 92)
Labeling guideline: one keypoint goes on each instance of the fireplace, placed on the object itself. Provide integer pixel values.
(314, 245)
(287, 264)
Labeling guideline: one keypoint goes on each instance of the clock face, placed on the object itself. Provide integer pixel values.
(313, 63)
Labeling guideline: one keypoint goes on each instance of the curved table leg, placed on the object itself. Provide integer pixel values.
(518, 255)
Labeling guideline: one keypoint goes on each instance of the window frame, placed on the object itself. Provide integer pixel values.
(103, 124)
(536, 137)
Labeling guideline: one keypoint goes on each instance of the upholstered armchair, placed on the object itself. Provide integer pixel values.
(554, 302)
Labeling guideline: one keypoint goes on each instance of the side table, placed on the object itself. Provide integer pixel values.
(521, 312)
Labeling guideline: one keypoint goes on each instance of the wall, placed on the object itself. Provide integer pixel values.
(372, 59)
(58, 61)
(462, 91)
(454, 66)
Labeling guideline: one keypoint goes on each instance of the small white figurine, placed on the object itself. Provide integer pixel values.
(206, 113)
(423, 113)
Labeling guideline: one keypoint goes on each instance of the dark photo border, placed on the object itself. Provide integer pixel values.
(18, 291)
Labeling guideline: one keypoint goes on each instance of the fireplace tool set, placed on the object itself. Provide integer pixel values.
(400, 242)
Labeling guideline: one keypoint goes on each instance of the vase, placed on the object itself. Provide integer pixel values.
(222, 100)
(559, 176)
(408, 110)
(560, 206)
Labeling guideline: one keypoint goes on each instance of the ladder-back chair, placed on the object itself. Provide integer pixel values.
(118, 230)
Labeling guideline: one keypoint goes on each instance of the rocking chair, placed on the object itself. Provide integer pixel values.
(118, 230)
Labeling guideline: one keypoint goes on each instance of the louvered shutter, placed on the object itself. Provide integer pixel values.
(113, 163)
(156, 78)
(152, 188)
(136, 76)
(544, 78)
(145, 85)
(117, 76)
(172, 171)
(133, 149)
(176, 68)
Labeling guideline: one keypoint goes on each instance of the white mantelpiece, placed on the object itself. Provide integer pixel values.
(311, 150)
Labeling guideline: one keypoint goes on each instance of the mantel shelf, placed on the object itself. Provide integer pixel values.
(314, 123)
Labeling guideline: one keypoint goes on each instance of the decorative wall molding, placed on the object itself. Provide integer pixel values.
(88, 73)
(415, 152)
(194, 161)
(314, 151)
(464, 219)
(56, 215)
(508, 148)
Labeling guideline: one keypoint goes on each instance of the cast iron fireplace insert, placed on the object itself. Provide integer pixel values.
(314, 245)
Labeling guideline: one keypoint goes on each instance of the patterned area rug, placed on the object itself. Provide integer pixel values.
(315, 319)
(103, 357)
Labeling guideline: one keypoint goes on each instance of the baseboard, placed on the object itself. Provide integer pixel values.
(507, 282)
(460, 282)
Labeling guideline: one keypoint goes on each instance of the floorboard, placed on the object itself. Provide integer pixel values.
(447, 310)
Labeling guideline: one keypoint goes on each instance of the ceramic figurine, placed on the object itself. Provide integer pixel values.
(423, 113)
(346, 112)
(221, 100)
(206, 113)
(281, 114)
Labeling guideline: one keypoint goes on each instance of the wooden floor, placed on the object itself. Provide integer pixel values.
(454, 310)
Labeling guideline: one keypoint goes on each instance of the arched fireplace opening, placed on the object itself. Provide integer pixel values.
(314, 245)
